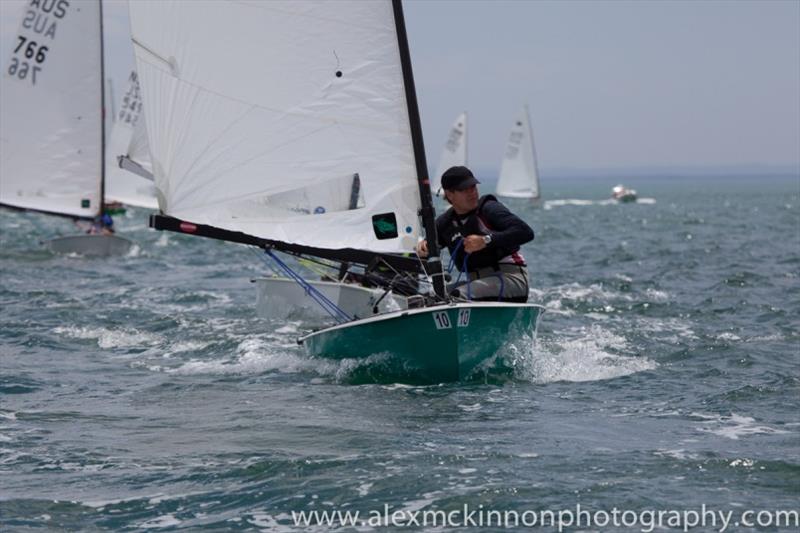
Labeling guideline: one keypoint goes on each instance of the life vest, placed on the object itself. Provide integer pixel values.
(452, 228)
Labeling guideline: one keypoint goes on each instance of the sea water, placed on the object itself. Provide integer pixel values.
(143, 392)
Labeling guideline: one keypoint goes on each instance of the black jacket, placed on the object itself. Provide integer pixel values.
(508, 232)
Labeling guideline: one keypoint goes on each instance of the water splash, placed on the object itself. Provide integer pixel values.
(582, 355)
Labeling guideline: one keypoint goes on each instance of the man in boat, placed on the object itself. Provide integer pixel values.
(488, 235)
(102, 225)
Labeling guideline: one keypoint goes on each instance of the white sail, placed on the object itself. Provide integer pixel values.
(128, 139)
(51, 111)
(138, 148)
(519, 177)
(252, 108)
(454, 152)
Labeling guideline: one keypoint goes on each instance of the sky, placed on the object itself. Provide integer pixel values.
(610, 85)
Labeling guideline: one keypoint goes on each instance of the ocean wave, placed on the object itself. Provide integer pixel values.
(109, 338)
(733, 426)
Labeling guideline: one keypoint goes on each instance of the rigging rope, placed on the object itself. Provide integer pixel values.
(331, 308)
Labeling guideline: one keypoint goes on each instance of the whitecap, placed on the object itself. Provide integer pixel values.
(107, 338)
(163, 240)
(167, 520)
(268, 522)
(363, 489)
(680, 454)
(734, 426)
(580, 356)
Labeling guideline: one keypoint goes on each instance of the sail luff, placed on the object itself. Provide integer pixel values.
(427, 211)
(102, 114)
(534, 159)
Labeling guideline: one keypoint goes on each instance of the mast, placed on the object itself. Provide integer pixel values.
(533, 154)
(102, 116)
(466, 140)
(427, 212)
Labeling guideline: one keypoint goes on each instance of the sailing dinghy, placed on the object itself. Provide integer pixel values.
(262, 156)
(51, 121)
(454, 152)
(519, 175)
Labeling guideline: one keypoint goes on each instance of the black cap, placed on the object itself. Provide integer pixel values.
(458, 178)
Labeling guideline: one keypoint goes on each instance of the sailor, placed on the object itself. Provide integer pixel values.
(102, 224)
(488, 235)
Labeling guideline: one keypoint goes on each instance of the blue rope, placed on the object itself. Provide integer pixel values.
(502, 286)
(452, 262)
(469, 281)
(330, 307)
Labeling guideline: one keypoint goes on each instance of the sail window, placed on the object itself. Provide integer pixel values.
(385, 226)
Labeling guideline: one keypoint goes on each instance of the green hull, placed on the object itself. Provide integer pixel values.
(434, 344)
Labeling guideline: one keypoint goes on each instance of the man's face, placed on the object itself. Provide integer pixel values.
(463, 201)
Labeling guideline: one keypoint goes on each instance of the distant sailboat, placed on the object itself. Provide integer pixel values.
(269, 157)
(51, 122)
(519, 175)
(129, 141)
(454, 152)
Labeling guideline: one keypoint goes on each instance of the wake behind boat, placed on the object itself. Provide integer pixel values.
(268, 158)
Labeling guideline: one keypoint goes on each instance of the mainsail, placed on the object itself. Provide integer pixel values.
(51, 105)
(265, 129)
(129, 140)
(519, 177)
(454, 152)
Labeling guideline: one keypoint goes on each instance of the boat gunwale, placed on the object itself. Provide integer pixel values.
(405, 312)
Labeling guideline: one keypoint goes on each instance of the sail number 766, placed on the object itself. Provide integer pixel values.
(19, 67)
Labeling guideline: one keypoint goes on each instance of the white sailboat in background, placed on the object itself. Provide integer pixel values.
(454, 152)
(519, 175)
(51, 121)
(129, 141)
(264, 156)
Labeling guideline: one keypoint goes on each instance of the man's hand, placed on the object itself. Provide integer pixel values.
(422, 248)
(474, 243)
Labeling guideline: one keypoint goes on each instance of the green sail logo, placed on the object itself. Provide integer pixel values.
(385, 226)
